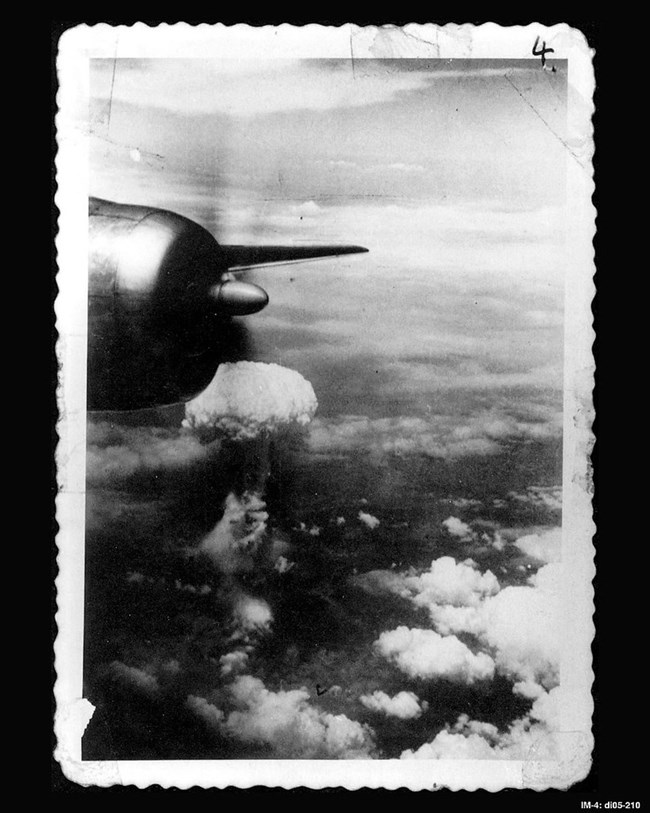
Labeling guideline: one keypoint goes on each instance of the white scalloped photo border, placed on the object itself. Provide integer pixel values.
(466, 41)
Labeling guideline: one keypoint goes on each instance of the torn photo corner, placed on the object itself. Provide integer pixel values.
(325, 406)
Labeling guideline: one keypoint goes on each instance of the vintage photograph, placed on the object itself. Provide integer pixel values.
(331, 500)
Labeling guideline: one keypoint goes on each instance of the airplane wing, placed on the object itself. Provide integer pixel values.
(242, 257)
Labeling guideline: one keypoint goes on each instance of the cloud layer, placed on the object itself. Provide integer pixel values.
(519, 625)
(441, 436)
(528, 738)
(545, 546)
(517, 628)
(116, 452)
(285, 721)
(241, 87)
(134, 678)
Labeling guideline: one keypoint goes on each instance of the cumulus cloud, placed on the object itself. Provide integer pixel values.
(520, 625)
(447, 582)
(448, 619)
(135, 678)
(247, 399)
(452, 745)
(459, 584)
(528, 688)
(251, 615)
(517, 627)
(286, 722)
(423, 653)
(545, 546)
(211, 715)
(523, 624)
(456, 527)
(368, 520)
(405, 705)
(233, 662)
(530, 737)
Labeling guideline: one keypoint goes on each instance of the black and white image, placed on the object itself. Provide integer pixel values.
(327, 506)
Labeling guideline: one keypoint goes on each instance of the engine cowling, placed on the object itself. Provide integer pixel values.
(160, 307)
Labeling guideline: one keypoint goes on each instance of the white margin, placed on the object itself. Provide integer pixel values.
(82, 43)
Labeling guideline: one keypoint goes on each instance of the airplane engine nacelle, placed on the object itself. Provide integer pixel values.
(159, 306)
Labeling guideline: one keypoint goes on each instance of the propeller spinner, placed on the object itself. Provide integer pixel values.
(237, 298)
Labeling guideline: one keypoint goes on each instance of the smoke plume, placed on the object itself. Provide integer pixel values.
(247, 406)
(235, 539)
(247, 399)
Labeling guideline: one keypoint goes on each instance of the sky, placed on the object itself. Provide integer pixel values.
(349, 546)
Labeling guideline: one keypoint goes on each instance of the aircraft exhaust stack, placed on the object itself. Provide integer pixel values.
(236, 298)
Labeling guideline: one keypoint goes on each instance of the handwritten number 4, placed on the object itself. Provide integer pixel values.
(543, 51)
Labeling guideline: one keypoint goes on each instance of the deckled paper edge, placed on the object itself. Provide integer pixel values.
(450, 41)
